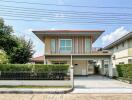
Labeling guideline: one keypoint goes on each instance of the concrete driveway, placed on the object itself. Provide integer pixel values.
(100, 84)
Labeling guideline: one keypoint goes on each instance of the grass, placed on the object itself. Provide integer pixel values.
(127, 79)
(22, 86)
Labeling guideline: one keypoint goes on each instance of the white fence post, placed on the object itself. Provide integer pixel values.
(71, 76)
(72, 73)
(110, 68)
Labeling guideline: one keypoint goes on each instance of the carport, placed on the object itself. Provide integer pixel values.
(81, 64)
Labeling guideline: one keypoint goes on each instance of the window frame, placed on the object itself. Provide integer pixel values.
(123, 44)
(53, 50)
(65, 46)
(86, 49)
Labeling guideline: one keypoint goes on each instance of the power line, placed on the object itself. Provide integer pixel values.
(46, 4)
(64, 22)
(61, 18)
(54, 20)
(54, 15)
(46, 13)
(23, 14)
(59, 11)
(34, 16)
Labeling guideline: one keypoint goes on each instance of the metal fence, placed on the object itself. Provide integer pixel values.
(25, 75)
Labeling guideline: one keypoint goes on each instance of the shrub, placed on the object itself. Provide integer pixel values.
(3, 57)
(119, 70)
(33, 72)
(15, 67)
(47, 68)
(34, 68)
(125, 71)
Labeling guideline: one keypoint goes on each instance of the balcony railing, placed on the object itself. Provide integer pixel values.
(94, 50)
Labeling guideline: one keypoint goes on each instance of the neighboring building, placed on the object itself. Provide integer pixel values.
(122, 50)
(74, 47)
(38, 60)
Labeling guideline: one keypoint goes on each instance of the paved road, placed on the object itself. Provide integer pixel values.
(65, 96)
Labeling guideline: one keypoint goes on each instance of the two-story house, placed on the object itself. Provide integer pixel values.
(74, 47)
(121, 51)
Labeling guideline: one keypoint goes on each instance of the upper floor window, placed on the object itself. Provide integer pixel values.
(52, 45)
(117, 47)
(123, 44)
(87, 45)
(65, 45)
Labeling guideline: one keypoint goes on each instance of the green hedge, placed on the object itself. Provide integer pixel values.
(42, 68)
(15, 67)
(33, 72)
(31, 67)
(125, 71)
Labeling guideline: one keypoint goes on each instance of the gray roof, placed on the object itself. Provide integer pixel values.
(122, 39)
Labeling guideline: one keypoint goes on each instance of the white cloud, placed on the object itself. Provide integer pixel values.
(29, 30)
(52, 28)
(118, 33)
(38, 48)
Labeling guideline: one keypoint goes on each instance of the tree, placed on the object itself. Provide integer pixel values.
(18, 49)
(5, 29)
(7, 41)
(3, 57)
(23, 53)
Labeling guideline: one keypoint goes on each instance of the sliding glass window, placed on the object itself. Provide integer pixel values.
(87, 45)
(66, 45)
(53, 45)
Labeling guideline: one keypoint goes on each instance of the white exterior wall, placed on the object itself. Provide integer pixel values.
(122, 54)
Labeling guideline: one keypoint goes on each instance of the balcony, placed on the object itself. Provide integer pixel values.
(94, 51)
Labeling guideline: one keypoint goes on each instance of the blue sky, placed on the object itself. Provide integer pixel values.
(112, 31)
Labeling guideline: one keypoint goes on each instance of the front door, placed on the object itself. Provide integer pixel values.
(90, 68)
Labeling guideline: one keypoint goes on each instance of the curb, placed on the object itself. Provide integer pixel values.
(34, 92)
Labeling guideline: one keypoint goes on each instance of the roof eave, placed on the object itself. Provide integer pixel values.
(68, 31)
(40, 33)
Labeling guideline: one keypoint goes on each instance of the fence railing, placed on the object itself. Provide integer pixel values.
(25, 75)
